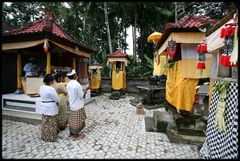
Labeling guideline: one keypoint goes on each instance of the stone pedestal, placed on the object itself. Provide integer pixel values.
(19, 91)
(161, 120)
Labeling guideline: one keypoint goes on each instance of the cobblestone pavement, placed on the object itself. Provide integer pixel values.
(113, 130)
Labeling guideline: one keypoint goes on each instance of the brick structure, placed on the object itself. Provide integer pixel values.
(82, 70)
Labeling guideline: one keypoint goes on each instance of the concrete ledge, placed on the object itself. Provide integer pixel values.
(26, 117)
(88, 101)
(20, 119)
(29, 117)
(21, 114)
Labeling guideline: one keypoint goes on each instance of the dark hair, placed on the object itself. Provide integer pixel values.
(57, 76)
(72, 76)
(48, 78)
(64, 74)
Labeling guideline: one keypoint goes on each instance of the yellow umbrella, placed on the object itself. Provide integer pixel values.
(154, 36)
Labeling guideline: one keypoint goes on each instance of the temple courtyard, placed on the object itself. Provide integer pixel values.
(113, 131)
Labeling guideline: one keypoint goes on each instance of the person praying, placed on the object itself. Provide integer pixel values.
(49, 109)
(77, 115)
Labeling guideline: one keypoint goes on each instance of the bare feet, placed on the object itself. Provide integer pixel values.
(78, 137)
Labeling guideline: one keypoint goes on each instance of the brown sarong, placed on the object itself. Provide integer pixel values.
(76, 121)
(49, 128)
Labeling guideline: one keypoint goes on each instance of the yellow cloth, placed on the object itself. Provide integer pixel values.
(124, 80)
(163, 60)
(156, 67)
(21, 45)
(27, 44)
(95, 82)
(190, 70)
(180, 92)
(117, 80)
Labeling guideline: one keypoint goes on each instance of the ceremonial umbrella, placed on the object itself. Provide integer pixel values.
(154, 36)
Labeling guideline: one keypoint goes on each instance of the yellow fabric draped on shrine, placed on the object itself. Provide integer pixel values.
(21, 45)
(27, 44)
(72, 50)
(124, 80)
(118, 80)
(156, 68)
(95, 82)
(180, 92)
(159, 69)
(163, 60)
(190, 70)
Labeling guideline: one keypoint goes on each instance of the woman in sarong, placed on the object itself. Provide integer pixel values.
(49, 109)
(60, 87)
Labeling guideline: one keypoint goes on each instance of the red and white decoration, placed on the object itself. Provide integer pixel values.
(227, 33)
(46, 46)
(171, 49)
(201, 49)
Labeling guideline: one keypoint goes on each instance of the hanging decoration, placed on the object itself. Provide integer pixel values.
(171, 49)
(46, 46)
(221, 88)
(227, 33)
(201, 49)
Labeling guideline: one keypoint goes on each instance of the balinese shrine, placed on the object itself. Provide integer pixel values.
(51, 46)
(119, 61)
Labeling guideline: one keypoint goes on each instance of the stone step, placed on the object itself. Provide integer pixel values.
(24, 108)
(175, 137)
(149, 124)
(161, 120)
(21, 116)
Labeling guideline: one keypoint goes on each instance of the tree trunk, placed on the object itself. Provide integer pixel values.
(108, 32)
(176, 10)
(125, 48)
(107, 26)
(84, 27)
(134, 35)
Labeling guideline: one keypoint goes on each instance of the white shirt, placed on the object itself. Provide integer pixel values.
(49, 99)
(30, 69)
(75, 95)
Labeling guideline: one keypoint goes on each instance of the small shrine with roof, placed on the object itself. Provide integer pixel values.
(119, 61)
(53, 50)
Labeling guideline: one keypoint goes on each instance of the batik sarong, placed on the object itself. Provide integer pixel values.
(76, 121)
(49, 128)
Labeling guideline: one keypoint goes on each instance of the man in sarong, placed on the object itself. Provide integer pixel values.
(77, 115)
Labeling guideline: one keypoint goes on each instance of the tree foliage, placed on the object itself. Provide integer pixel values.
(85, 21)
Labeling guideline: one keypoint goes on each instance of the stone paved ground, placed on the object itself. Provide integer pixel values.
(113, 130)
